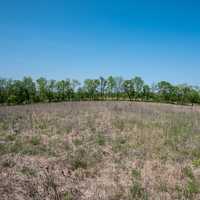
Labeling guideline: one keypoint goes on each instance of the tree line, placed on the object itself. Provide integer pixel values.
(112, 88)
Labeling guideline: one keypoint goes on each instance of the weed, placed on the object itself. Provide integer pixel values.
(136, 174)
(119, 124)
(51, 185)
(3, 148)
(188, 172)
(137, 192)
(28, 171)
(11, 137)
(68, 196)
(191, 189)
(136, 189)
(35, 140)
(120, 144)
(79, 159)
(83, 158)
(100, 139)
(77, 142)
(8, 163)
(196, 163)
(162, 186)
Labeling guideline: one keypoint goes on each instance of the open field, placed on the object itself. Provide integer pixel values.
(99, 151)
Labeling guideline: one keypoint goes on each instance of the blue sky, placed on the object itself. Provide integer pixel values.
(157, 40)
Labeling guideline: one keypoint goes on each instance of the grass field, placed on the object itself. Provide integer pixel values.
(99, 151)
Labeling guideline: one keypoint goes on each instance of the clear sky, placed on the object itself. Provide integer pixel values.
(155, 39)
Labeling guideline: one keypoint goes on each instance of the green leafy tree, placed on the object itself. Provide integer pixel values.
(111, 84)
(74, 85)
(42, 89)
(16, 92)
(69, 89)
(118, 87)
(103, 83)
(29, 89)
(165, 90)
(146, 92)
(80, 94)
(129, 89)
(138, 86)
(64, 90)
(3, 90)
(91, 87)
(51, 90)
(194, 96)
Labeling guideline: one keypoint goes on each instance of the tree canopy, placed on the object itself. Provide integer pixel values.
(112, 88)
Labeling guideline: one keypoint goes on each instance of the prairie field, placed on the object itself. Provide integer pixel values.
(99, 151)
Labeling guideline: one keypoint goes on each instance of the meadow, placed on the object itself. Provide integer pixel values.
(99, 151)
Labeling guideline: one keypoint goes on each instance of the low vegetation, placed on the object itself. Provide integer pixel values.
(105, 150)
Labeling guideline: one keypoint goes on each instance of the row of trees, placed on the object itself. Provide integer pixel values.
(111, 88)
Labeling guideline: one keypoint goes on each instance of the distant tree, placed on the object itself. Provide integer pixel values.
(61, 90)
(118, 87)
(146, 92)
(183, 93)
(29, 89)
(111, 84)
(3, 90)
(154, 92)
(194, 96)
(128, 87)
(103, 83)
(42, 89)
(69, 89)
(165, 90)
(91, 87)
(51, 90)
(64, 90)
(138, 86)
(190, 94)
(74, 85)
(80, 94)
(14, 92)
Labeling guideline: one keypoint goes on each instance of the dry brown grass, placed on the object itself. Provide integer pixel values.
(99, 151)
